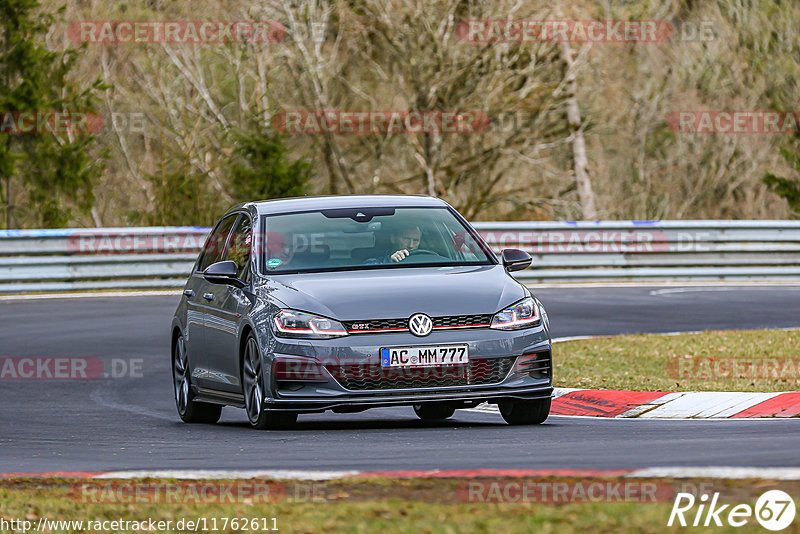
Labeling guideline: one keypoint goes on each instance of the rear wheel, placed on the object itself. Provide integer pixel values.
(253, 390)
(525, 412)
(189, 409)
(434, 411)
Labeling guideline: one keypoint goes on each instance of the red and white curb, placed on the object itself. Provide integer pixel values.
(670, 405)
(768, 473)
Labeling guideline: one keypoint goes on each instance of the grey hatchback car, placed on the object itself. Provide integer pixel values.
(346, 303)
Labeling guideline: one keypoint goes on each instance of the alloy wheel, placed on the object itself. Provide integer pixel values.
(253, 380)
(180, 370)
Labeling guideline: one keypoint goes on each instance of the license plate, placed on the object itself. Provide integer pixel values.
(425, 356)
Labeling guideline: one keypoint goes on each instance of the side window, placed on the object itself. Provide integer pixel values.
(215, 246)
(239, 246)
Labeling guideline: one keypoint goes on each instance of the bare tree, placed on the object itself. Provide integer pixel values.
(579, 159)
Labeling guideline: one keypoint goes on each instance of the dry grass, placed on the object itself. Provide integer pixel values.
(740, 360)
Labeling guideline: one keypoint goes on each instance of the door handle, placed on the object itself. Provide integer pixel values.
(188, 292)
(208, 296)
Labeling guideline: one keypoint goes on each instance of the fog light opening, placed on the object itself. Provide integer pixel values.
(537, 365)
(297, 369)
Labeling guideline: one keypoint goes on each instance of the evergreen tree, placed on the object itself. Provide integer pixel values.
(181, 197)
(261, 168)
(47, 177)
(788, 188)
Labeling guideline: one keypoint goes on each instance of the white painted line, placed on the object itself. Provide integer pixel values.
(670, 291)
(706, 404)
(718, 472)
(639, 410)
(203, 474)
(114, 294)
(661, 283)
(686, 333)
(686, 405)
(573, 338)
(743, 402)
(774, 473)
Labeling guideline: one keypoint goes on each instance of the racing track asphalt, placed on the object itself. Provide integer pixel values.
(130, 423)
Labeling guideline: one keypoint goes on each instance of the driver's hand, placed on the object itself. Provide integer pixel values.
(400, 255)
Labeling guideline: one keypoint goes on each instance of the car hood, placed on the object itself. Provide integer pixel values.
(395, 293)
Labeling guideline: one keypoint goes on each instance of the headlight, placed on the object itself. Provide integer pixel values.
(292, 323)
(523, 314)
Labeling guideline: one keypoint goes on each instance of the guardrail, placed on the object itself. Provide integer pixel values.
(98, 258)
(161, 257)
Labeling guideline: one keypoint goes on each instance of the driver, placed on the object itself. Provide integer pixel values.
(403, 241)
(279, 250)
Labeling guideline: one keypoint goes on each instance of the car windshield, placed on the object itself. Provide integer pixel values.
(367, 238)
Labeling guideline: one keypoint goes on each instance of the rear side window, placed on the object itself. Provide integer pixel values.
(215, 246)
(239, 246)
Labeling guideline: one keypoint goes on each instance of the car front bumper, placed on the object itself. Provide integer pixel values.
(363, 350)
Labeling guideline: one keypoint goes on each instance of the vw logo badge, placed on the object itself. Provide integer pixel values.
(420, 324)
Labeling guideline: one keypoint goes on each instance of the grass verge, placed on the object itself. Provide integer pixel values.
(738, 360)
(380, 505)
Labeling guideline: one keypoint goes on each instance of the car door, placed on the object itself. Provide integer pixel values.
(225, 312)
(202, 299)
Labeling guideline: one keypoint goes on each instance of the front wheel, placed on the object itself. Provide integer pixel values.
(189, 410)
(525, 412)
(253, 386)
(434, 411)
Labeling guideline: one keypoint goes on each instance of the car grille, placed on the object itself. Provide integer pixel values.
(401, 325)
(374, 377)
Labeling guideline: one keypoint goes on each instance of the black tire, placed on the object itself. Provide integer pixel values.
(189, 410)
(253, 388)
(434, 411)
(527, 412)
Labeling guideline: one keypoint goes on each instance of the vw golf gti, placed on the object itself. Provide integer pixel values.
(346, 303)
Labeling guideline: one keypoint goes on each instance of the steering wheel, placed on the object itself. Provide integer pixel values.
(417, 251)
(422, 255)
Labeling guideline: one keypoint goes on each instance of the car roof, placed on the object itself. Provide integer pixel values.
(284, 205)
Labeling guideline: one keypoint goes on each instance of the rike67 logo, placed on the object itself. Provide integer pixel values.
(774, 510)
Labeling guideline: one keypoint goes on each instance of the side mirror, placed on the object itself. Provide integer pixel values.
(223, 272)
(516, 260)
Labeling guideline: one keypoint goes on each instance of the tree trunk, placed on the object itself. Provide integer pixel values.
(9, 204)
(580, 162)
